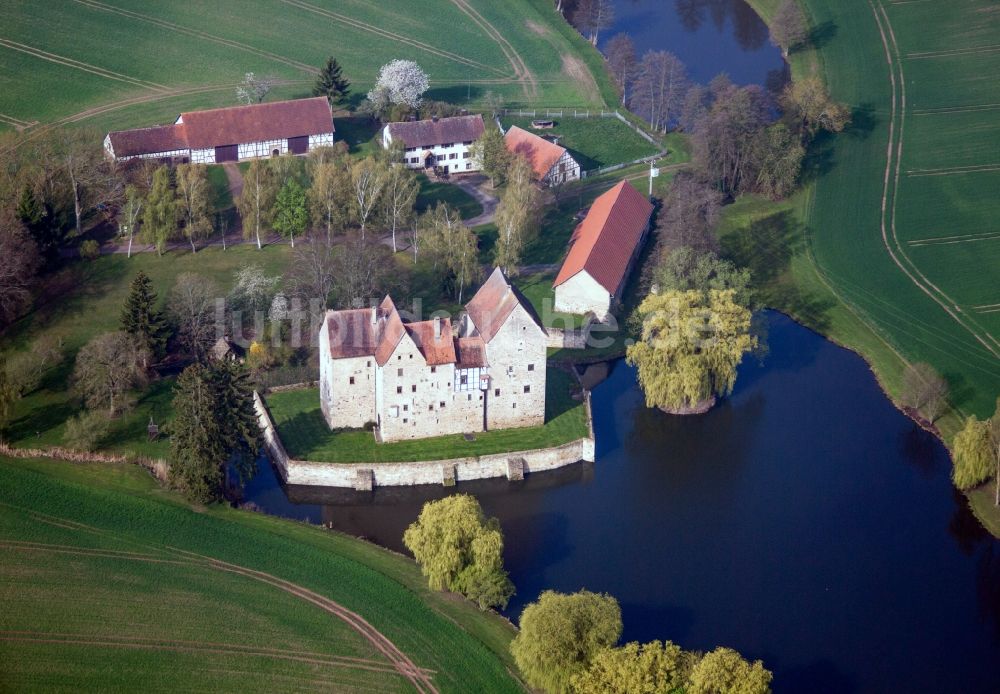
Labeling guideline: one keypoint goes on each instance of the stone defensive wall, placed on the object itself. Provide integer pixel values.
(365, 476)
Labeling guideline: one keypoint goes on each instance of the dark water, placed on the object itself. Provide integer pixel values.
(710, 36)
(804, 521)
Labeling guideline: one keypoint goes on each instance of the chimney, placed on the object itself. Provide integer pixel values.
(373, 315)
(437, 327)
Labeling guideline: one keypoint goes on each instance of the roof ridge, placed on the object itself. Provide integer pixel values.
(604, 223)
(261, 103)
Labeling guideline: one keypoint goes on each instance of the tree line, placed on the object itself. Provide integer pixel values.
(567, 643)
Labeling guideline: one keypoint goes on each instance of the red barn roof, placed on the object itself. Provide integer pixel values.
(604, 242)
(277, 120)
(540, 153)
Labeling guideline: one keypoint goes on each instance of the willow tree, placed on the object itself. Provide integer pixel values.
(971, 454)
(691, 344)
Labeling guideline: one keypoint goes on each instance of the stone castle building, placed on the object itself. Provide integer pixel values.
(430, 378)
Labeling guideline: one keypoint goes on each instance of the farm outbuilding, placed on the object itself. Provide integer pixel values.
(602, 251)
(437, 143)
(230, 134)
(551, 163)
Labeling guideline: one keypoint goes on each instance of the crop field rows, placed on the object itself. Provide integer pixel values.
(99, 585)
(62, 60)
(901, 221)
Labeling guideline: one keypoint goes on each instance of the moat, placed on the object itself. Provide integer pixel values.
(804, 521)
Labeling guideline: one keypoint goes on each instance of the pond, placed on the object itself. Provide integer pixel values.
(804, 521)
(710, 36)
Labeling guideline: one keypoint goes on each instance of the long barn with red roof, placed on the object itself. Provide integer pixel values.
(602, 251)
(230, 134)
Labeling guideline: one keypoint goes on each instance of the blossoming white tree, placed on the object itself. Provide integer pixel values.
(400, 82)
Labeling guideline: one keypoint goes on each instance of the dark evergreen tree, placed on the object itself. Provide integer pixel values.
(331, 83)
(142, 319)
(214, 425)
(42, 225)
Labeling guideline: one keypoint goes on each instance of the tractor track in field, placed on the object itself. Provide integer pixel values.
(398, 661)
(893, 171)
(524, 75)
(384, 33)
(197, 33)
(80, 65)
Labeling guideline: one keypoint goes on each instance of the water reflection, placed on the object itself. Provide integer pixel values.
(749, 30)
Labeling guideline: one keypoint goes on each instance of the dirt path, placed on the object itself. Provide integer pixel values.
(528, 82)
(893, 170)
(488, 200)
(79, 65)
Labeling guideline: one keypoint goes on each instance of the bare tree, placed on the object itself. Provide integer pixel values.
(789, 27)
(368, 178)
(924, 390)
(130, 215)
(401, 188)
(622, 62)
(659, 90)
(19, 264)
(93, 180)
(312, 272)
(106, 368)
(591, 16)
(724, 141)
(362, 270)
(191, 305)
(690, 212)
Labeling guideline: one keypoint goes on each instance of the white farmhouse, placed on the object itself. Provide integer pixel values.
(430, 378)
(602, 251)
(437, 142)
(230, 134)
(551, 163)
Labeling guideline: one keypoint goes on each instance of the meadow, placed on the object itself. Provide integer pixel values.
(306, 436)
(105, 574)
(594, 142)
(897, 257)
(126, 63)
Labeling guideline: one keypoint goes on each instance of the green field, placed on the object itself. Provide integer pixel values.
(433, 192)
(306, 436)
(919, 282)
(594, 142)
(109, 582)
(125, 63)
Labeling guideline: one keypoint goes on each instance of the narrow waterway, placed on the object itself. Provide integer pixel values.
(805, 521)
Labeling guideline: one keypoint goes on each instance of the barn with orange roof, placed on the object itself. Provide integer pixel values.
(551, 163)
(602, 252)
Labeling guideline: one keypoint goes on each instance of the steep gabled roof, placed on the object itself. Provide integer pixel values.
(436, 350)
(494, 302)
(540, 153)
(427, 133)
(365, 332)
(277, 120)
(603, 243)
(470, 352)
(389, 330)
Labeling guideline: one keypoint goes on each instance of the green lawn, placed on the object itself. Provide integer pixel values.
(432, 192)
(537, 288)
(306, 436)
(593, 142)
(167, 57)
(358, 133)
(222, 199)
(108, 583)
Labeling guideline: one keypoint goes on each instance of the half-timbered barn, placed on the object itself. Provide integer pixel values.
(230, 134)
(429, 378)
(551, 163)
(437, 143)
(602, 252)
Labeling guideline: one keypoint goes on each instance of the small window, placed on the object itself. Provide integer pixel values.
(430, 408)
(413, 388)
(510, 370)
(434, 369)
(399, 390)
(527, 389)
(369, 364)
(470, 397)
(463, 380)
(496, 393)
(399, 372)
(405, 420)
(406, 408)
(442, 157)
(441, 404)
(352, 380)
(465, 155)
(398, 357)
(453, 155)
(411, 356)
(468, 167)
(513, 406)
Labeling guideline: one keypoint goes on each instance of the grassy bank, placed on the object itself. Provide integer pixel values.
(115, 581)
(306, 436)
(123, 592)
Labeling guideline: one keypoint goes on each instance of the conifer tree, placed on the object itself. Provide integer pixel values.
(331, 83)
(142, 319)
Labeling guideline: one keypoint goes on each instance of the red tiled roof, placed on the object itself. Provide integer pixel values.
(277, 120)
(540, 153)
(494, 302)
(603, 243)
(440, 350)
(389, 328)
(160, 138)
(470, 352)
(427, 133)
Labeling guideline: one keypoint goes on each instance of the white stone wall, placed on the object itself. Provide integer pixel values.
(456, 157)
(582, 293)
(322, 140)
(346, 388)
(517, 355)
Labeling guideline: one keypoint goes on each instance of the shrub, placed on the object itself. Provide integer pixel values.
(90, 250)
(85, 430)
